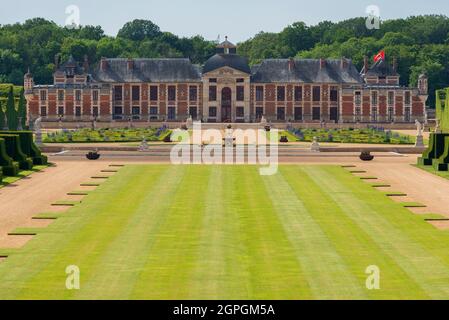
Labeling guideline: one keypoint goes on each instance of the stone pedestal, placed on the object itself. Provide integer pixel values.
(315, 145)
(144, 146)
(419, 142)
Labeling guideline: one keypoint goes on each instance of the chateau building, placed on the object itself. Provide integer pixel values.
(227, 89)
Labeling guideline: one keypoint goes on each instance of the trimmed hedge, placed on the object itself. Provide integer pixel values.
(29, 147)
(15, 151)
(9, 166)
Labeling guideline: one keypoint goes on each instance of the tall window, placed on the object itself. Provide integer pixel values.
(240, 112)
(390, 98)
(118, 93)
(281, 93)
(78, 95)
(407, 116)
(374, 115)
(135, 93)
(61, 95)
(95, 95)
(212, 112)
(171, 93)
(390, 114)
(358, 98)
(333, 94)
(240, 93)
(43, 95)
(61, 111)
(193, 93)
(298, 93)
(407, 98)
(259, 93)
(316, 94)
(213, 93)
(374, 98)
(154, 93)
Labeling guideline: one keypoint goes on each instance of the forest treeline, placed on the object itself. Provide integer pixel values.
(421, 43)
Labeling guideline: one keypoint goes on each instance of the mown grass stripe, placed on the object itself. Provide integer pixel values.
(79, 240)
(325, 271)
(115, 274)
(351, 242)
(425, 269)
(170, 264)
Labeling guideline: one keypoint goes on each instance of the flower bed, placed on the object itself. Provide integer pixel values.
(108, 135)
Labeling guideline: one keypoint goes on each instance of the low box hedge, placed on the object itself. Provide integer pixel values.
(15, 151)
(29, 147)
(9, 166)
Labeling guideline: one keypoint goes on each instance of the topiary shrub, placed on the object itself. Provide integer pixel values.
(29, 148)
(15, 151)
(8, 165)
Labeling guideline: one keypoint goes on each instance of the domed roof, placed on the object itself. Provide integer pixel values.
(227, 60)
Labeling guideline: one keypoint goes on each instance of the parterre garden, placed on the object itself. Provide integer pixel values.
(307, 232)
(374, 135)
(18, 155)
(107, 135)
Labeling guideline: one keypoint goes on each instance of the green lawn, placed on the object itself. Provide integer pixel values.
(225, 232)
(443, 174)
(22, 174)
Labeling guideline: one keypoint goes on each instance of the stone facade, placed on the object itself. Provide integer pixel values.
(227, 89)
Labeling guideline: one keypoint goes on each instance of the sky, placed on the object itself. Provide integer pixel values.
(238, 19)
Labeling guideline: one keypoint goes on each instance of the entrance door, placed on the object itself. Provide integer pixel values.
(334, 114)
(226, 104)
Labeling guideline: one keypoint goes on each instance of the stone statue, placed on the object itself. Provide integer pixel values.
(189, 123)
(144, 145)
(419, 137)
(437, 126)
(419, 127)
(38, 131)
(229, 137)
(315, 145)
(263, 121)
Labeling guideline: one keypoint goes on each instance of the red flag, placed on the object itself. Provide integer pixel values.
(379, 56)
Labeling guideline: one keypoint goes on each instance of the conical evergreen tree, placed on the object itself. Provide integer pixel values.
(11, 112)
(2, 116)
(22, 110)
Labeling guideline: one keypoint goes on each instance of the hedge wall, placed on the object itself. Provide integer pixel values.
(8, 165)
(15, 151)
(29, 148)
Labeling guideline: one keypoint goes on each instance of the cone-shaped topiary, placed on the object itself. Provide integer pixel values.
(11, 112)
(22, 111)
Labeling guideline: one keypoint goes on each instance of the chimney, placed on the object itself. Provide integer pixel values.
(86, 63)
(322, 63)
(291, 64)
(365, 64)
(103, 64)
(344, 63)
(57, 60)
(395, 64)
(130, 64)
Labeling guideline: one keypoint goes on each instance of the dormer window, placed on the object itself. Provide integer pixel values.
(70, 72)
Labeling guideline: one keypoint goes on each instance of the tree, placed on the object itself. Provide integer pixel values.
(2, 116)
(22, 110)
(139, 30)
(11, 112)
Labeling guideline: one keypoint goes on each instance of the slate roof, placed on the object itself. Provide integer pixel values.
(306, 71)
(148, 70)
(71, 63)
(227, 60)
(381, 69)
